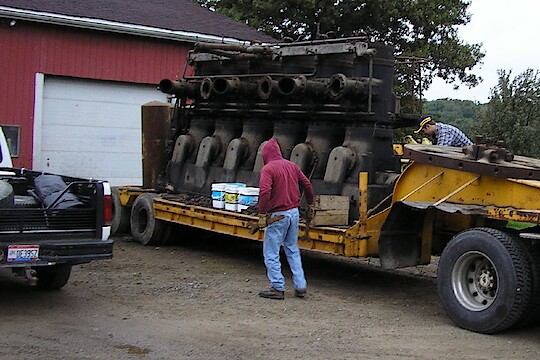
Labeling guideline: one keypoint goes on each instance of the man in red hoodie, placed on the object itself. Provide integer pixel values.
(279, 194)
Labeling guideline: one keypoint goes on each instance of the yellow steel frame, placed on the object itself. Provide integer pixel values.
(504, 199)
(496, 198)
(227, 222)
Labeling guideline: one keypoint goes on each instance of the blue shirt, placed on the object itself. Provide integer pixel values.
(449, 135)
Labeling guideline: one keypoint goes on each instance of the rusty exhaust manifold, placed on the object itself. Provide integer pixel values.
(265, 87)
(336, 88)
(261, 88)
(339, 87)
(220, 87)
(300, 86)
(180, 88)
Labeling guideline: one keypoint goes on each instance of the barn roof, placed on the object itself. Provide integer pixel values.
(181, 19)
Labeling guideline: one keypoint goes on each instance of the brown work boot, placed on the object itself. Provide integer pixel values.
(272, 293)
(300, 293)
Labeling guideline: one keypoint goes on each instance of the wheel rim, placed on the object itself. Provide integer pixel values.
(475, 281)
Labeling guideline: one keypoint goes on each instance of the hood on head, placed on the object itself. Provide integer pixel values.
(271, 151)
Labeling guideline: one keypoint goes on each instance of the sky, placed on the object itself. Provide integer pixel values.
(509, 32)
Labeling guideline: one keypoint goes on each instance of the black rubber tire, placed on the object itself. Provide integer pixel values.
(52, 277)
(145, 229)
(532, 315)
(484, 280)
(121, 215)
(6, 194)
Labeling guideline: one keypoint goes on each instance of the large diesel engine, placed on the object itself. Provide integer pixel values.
(329, 104)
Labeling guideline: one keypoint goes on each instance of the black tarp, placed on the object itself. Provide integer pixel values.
(50, 187)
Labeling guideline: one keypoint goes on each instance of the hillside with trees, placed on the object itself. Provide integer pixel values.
(512, 113)
(463, 114)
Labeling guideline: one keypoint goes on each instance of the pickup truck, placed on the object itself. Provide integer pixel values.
(49, 222)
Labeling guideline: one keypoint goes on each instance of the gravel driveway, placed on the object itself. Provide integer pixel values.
(197, 299)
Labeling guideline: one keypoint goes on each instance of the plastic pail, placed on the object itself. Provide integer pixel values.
(247, 196)
(218, 195)
(231, 195)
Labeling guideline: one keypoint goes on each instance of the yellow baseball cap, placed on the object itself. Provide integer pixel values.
(423, 121)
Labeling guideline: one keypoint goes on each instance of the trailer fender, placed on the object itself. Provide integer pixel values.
(400, 240)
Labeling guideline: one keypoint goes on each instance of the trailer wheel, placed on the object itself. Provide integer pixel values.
(484, 280)
(145, 228)
(52, 277)
(6, 194)
(121, 215)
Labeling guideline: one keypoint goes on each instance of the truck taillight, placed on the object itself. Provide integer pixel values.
(107, 210)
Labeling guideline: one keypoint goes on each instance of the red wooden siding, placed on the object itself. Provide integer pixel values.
(28, 48)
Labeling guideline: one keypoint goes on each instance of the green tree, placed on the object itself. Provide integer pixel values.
(512, 113)
(464, 114)
(417, 28)
(460, 113)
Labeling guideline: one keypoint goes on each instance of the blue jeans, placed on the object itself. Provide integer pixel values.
(283, 232)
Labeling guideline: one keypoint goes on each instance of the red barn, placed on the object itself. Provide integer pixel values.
(75, 74)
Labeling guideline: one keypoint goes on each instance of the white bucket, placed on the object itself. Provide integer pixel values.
(247, 196)
(218, 195)
(231, 195)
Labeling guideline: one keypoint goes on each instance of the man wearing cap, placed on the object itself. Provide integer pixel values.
(443, 134)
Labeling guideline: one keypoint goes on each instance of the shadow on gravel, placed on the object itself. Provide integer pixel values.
(320, 268)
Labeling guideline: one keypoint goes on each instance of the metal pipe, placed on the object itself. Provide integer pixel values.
(229, 87)
(211, 47)
(180, 88)
(340, 86)
(265, 86)
(300, 85)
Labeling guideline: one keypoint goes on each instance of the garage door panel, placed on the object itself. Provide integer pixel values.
(97, 91)
(84, 113)
(103, 140)
(94, 163)
(93, 129)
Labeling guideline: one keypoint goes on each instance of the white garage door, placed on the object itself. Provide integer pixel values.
(91, 129)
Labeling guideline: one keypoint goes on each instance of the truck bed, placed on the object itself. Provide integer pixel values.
(35, 232)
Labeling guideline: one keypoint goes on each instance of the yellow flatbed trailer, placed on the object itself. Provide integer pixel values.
(489, 271)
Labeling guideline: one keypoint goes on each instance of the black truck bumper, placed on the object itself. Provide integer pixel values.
(50, 252)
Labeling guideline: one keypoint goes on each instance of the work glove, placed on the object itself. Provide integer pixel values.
(310, 213)
(262, 220)
(408, 139)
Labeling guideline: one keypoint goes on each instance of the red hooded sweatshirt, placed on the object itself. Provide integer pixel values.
(279, 182)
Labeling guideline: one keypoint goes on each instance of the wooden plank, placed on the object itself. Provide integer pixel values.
(326, 202)
(330, 217)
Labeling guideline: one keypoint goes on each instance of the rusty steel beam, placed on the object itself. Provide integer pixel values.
(478, 159)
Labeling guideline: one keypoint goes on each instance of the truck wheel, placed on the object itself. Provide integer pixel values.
(52, 277)
(484, 280)
(532, 315)
(145, 228)
(121, 215)
(6, 194)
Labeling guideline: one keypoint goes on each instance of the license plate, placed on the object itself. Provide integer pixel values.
(22, 253)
